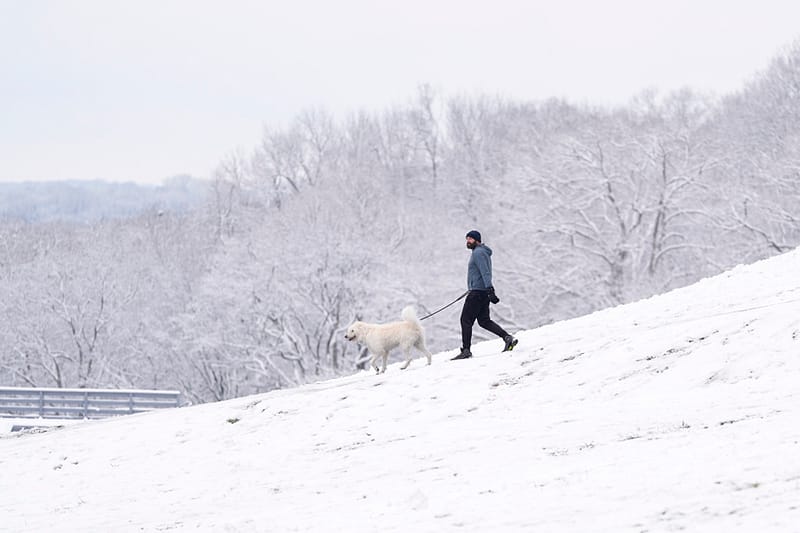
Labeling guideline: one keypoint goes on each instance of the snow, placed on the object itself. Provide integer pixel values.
(6, 424)
(679, 411)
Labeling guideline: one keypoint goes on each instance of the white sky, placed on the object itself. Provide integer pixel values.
(142, 90)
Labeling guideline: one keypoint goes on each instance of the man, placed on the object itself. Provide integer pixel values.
(481, 292)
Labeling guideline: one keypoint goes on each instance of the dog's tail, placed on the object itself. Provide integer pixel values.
(409, 315)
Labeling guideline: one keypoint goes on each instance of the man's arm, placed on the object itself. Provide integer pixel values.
(485, 268)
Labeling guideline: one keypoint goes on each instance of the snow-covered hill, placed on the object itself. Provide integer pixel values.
(678, 412)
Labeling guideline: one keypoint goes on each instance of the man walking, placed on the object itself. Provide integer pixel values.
(481, 292)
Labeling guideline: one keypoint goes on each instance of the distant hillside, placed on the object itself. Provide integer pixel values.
(88, 201)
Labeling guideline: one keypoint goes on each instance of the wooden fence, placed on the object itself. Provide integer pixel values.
(21, 402)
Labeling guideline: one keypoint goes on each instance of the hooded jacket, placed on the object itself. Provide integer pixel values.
(479, 270)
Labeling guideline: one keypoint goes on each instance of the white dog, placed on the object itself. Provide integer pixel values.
(380, 339)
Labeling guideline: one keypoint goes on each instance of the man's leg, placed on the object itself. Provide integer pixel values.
(485, 321)
(468, 315)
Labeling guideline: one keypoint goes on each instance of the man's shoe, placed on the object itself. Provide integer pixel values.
(465, 354)
(510, 343)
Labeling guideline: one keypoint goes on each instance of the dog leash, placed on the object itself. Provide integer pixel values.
(445, 307)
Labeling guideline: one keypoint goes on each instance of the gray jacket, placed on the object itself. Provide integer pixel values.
(479, 271)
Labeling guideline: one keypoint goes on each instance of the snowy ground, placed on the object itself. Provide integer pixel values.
(7, 424)
(677, 412)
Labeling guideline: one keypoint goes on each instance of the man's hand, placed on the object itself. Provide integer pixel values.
(492, 296)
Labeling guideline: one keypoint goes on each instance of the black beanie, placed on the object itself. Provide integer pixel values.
(475, 234)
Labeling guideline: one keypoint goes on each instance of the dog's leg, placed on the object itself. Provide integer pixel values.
(420, 345)
(374, 362)
(407, 353)
(385, 359)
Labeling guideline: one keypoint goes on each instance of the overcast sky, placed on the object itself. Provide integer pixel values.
(145, 89)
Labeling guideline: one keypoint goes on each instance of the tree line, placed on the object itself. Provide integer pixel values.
(330, 220)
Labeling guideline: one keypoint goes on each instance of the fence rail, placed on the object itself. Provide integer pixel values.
(22, 402)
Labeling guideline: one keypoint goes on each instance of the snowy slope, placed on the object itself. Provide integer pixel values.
(680, 411)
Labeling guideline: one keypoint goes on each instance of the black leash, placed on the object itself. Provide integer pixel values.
(445, 307)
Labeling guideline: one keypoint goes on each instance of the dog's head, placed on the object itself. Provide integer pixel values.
(353, 331)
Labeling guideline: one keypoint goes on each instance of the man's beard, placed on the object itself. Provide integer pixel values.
(472, 245)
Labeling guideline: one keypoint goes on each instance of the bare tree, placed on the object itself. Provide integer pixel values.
(425, 121)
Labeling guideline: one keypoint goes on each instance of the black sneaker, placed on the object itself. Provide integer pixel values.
(465, 354)
(510, 343)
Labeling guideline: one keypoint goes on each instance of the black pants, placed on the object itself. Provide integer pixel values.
(476, 306)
